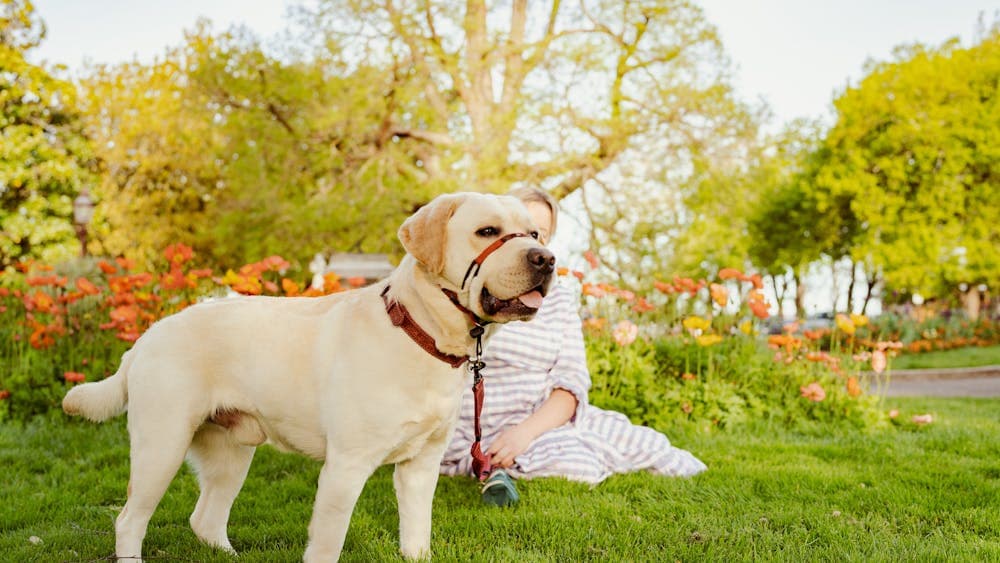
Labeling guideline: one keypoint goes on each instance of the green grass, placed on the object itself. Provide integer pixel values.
(958, 358)
(901, 494)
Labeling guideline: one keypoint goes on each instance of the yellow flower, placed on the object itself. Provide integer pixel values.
(695, 323)
(746, 327)
(859, 320)
(845, 324)
(708, 339)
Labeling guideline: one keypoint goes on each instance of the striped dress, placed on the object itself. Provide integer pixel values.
(525, 361)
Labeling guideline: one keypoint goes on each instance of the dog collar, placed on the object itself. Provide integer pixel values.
(401, 318)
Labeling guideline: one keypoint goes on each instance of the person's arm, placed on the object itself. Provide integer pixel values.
(555, 411)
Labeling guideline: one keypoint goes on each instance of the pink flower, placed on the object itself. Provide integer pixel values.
(878, 361)
(921, 419)
(625, 332)
(893, 413)
(814, 392)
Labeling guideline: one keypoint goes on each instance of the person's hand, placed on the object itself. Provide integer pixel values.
(509, 444)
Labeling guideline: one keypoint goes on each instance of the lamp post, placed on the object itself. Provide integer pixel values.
(83, 212)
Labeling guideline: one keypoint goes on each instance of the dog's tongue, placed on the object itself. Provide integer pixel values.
(532, 299)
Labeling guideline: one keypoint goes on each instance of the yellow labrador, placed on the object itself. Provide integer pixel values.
(336, 378)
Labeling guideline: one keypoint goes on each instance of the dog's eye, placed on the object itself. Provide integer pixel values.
(534, 235)
(488, 232)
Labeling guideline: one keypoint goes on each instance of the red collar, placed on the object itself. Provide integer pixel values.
(401, 317)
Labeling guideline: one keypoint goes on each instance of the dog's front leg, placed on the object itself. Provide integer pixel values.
(415, 481)
(340, 483)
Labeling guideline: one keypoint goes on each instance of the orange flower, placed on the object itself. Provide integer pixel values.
(643, 306)
(577, 274)
(757, 281)
(74, 377)
(591, 259)
(202, 273)
(125, 314)
(595, 323)
(107, 267)
(759, 309)
(54, 281)
(688, 376)
(41, 302)
(178, 253)
(128, 336)
(790, 328)
(719, 294)
(814, 392)
(290, 288)
(356, 281)
(592, 290)
(86, 286)
(729, 274)
(813, 334)
(853, 388)
(562, 271)
(663, 287)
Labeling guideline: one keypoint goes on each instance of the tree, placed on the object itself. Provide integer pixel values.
(44, 157)
(242, 153)
(913, 151)
(615, 96)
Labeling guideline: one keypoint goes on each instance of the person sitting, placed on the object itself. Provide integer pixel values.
(536, 421)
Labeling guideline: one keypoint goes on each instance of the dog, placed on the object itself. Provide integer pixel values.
(338, 378)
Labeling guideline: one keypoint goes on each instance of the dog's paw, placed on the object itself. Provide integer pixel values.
(416, 553)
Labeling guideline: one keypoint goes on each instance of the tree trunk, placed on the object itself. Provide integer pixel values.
(800, 294)
(971, 302)
(850, 287)
(872, 282)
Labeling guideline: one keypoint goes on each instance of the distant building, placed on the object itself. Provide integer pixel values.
(371, 267)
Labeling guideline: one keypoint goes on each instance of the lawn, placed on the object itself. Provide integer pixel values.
(957, 358)
(915, 494)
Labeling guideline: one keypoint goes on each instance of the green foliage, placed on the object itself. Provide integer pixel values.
(730, 385)
(236, 152)
(911, 152)
(44, 157)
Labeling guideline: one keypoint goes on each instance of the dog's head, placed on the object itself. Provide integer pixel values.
(450, 233)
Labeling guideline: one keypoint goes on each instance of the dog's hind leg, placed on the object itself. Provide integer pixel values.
(221, 464)
(157, 451)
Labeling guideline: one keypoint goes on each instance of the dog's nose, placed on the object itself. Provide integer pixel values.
(542, 260)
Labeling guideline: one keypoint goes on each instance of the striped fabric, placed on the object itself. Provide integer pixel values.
(524, 362)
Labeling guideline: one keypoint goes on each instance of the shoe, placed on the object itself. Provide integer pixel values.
(499, 490)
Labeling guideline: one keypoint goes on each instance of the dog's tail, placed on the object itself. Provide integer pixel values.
(101, 400)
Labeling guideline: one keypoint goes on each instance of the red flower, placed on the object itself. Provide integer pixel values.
(74, 377)
(4, 394)
(591, 259)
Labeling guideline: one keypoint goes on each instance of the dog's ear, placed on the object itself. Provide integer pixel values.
(424, 234)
